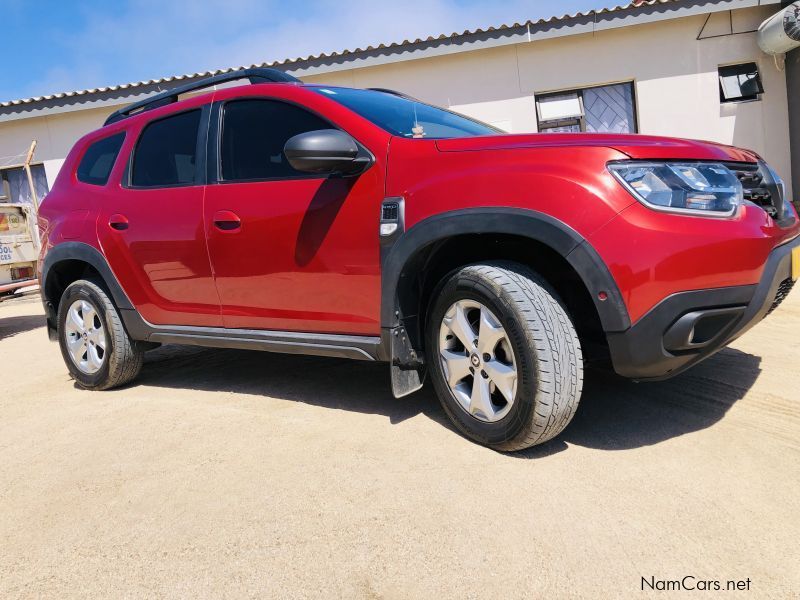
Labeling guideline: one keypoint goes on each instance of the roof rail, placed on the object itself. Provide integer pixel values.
(254, 74)
(393, 93)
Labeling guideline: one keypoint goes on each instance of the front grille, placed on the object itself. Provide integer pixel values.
(783, 290)
(756, 189)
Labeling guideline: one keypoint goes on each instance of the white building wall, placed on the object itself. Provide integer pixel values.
(675, 76)
(54, 134)
(675, 79)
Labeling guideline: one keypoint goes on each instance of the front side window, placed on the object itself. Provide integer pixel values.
(97, 162)
(600, 109)
(254, 133)
(406, 117)
(166, 154)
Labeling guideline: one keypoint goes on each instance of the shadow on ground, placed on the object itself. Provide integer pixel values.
(618, 414)
(327, 382)
(11, 326)
(615, 414)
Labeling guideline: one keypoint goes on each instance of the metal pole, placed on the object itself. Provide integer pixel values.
(33, 217)
(27, 167)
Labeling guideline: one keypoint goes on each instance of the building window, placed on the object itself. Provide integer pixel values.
(5, 194)
(740, 83)
(16, 188)
(599, 109)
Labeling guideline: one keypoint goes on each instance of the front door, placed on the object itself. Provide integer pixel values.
(290, 251)
(151, 229)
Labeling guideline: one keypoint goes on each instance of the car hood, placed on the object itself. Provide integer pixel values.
(636, 146)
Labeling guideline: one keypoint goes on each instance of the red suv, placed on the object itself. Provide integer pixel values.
(365, 224)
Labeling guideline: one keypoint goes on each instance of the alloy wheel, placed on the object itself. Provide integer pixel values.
(478, 361)
(85, 337)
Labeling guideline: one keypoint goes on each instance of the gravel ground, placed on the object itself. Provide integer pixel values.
(231, 474)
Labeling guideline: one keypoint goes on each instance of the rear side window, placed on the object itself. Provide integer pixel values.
(97, 162)
(166, 154)
(254, 133)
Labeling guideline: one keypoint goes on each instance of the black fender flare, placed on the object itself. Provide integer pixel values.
(91, 256)
(511, 221)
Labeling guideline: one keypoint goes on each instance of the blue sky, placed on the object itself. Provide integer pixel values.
(56, 46)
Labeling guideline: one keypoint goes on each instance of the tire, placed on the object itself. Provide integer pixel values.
(539, 342)
(121, 358)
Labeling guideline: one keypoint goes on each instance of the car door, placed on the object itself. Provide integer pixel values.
(151, 227)
(290, 251)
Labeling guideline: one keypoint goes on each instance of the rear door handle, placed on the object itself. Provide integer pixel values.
(118, 222)
(225, 220)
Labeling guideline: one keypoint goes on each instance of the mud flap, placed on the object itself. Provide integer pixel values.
(407, 367)
(406, 380)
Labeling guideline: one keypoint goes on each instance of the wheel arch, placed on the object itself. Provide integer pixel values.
(421, 256)
(68, 262)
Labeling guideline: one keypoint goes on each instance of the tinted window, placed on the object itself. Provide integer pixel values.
(254, 133)
(167, 151)
(407, 117)
(98, 160)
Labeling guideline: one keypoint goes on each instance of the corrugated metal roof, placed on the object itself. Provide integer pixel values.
(290, 62)
(293, 64)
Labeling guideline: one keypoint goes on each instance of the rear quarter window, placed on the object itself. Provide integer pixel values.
(96, 164)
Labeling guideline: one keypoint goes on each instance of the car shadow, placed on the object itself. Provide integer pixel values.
(619, 414)
(319, 217)
(614, 414)
(11, 326)
(338, 384)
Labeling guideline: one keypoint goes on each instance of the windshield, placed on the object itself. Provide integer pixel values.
(405, 117)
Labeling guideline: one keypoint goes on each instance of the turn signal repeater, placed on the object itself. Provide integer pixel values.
(388, 229)
(391, 217)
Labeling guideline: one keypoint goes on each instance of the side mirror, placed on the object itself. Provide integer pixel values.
(324, 151)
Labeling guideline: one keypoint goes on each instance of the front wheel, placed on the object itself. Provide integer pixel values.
(504, 355)
(96, 348)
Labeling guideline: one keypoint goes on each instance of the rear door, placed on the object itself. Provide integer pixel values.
(290, 251)
(151, 228)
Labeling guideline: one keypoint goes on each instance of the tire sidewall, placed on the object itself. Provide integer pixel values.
(81, 290)
(465, 285)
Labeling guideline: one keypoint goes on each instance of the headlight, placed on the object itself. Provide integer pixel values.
(693, 188)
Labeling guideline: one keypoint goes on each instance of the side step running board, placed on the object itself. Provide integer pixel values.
(356, 347)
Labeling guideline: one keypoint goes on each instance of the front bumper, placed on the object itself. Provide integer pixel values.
(688, 327)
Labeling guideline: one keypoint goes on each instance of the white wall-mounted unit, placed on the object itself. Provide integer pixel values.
(781, 32)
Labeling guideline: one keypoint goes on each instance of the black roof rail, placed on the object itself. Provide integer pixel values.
(254, 74)
(393, 93)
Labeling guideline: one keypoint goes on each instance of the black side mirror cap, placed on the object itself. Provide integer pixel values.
(325, 152)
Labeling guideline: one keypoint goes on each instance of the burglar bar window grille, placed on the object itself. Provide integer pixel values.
(601, 109)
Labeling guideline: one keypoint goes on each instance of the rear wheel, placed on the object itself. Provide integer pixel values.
(97, 350)
(504, 355)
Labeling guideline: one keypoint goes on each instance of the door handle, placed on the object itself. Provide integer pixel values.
(118, 222)
(225, 220)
